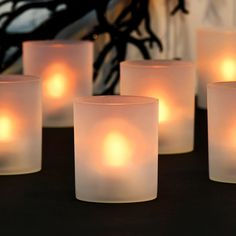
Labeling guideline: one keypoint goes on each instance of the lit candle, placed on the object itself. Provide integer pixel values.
(56, 84)
(6, 126)
(164, 107)
(172, 83)
(115, 148)
(221, 102)
(164, 111)
(9, 136)
(216, 59)
(20, 124)
(228, 69)
(65, 68)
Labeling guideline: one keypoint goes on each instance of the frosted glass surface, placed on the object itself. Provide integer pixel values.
(172, 82)
(20, 124)
(65, 68)
(221, 103)
(116, 148)
(216, 59)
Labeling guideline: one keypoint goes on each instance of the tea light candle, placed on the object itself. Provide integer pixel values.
(221, 102)
(20, 124)
(116, 148)
(172, 82)
(216, 59)
(65, 68)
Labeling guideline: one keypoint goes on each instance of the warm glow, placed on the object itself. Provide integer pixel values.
(5, 129)
(228, 69)
(58, 80)
(232, 135)
(117, 149)
(56, 86)
(163, 112)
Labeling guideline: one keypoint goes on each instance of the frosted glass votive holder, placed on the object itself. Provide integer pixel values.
(20, 124)
(65, 68)
(172, 83)
(116, 148)
(221, 103)
(216, 59)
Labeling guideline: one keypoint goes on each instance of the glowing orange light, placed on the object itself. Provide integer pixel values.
(5, 128)
(117, 149)
(58, 80)
(228, 69)
(232, 135)
(164, 113)
(56, 85)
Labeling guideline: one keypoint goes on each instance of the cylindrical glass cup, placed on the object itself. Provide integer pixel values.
(216, 59)
(221, 103)
(172, 83)
(20, 124)
(116, 148)
(65, 68)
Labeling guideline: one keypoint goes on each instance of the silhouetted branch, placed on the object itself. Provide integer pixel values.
(120, 36)
(120, 31)
(181, 6)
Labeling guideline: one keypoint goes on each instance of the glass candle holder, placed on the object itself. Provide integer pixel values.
(65, 68)
(20, 124)
(116, 148)
(172, 83)
(221, 102)
(216, 59)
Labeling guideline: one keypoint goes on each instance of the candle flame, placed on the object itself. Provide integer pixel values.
(228, 69)
(58, 80)
(56, 85)
(163, 112)
(117, 149)
(5, 128)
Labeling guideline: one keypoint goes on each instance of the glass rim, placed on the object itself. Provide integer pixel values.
(56, 42)
(157, 63)
(222, 85)
(15, 78)
(217, 29)
(115, 100)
